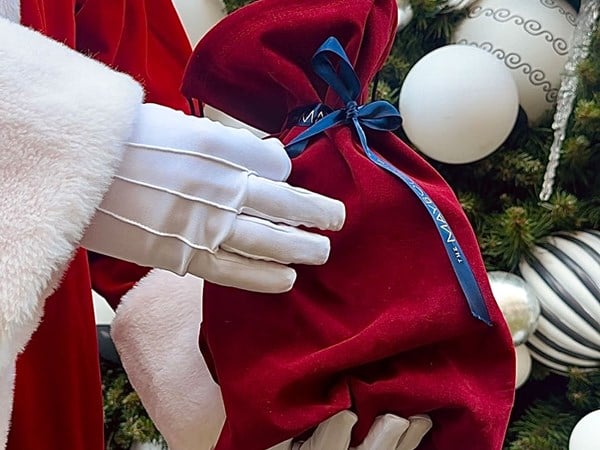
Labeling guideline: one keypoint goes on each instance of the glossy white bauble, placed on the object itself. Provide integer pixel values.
(458, 104)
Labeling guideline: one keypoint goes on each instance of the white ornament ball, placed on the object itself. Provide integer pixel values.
(458, 104)
(199, 16)
(564, 272)
(531, 37)
(586, 434)
(518, 303)
(523, 358)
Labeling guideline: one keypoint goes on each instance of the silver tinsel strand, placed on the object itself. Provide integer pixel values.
(582, 36)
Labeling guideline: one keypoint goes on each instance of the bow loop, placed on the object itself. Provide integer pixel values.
(380, 116)
(344, 80)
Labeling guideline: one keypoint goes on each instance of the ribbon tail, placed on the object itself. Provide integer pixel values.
(458, 261)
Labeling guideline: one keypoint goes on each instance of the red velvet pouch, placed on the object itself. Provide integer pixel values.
(384, 325)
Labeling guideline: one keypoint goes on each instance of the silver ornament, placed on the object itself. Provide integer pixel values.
(518, 303)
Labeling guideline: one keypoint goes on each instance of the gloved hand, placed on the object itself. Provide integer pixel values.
(388, 432)
(194, 196)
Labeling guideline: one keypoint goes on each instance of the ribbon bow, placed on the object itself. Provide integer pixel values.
(382, 116)
(379, 115)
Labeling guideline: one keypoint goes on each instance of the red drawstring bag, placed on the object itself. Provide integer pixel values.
(385, 325)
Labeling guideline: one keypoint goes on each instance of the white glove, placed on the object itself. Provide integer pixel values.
(194, 196)
(388, 432)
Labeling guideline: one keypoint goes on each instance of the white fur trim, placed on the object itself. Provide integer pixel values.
(155, 331)
(11, 9)
(63, 118)
(7, 378)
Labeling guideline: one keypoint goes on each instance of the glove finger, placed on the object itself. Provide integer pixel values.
(385, 433)
(256, 238)
(282, 203)
(419, 426)
(228, 269)
(163, 126)
(267, 157)
(332, 434)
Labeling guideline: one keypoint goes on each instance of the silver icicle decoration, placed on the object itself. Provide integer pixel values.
(582, 36)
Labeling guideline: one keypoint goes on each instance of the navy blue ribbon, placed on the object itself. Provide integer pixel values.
(382, 116)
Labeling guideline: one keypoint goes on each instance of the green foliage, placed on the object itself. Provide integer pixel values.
(232, 5)
(545, 426)
(125, 419)
(547, 423)
(584, 391)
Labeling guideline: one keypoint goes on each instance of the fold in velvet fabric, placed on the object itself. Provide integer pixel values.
(383, 327)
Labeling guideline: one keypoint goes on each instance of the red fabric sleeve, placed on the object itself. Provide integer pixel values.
(146, 40)
(142, 38)
(58, 395)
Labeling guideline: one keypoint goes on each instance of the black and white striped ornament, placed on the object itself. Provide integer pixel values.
(564, 272)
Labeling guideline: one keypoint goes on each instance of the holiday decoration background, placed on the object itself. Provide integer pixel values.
(500, 194)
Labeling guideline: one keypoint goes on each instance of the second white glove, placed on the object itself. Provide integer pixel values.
(388, 432)
(194, 196)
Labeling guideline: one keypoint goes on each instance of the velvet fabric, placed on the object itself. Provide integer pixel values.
(58, 401)
(383, 326)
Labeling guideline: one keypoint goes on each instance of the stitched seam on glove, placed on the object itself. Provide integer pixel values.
(177, 194)
(249, 255)
(195, 154)
(155, 232)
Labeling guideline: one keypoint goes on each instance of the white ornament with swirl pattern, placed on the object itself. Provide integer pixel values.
(531, 37)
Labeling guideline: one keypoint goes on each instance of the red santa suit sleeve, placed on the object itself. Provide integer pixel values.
(63, 117)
